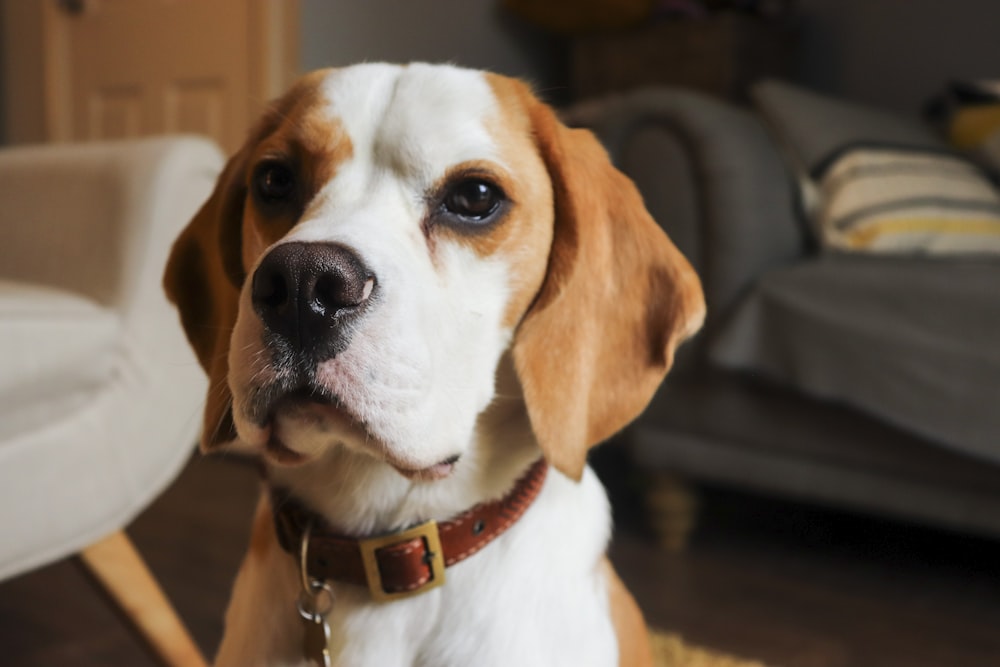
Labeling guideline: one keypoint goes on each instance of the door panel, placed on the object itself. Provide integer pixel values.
(126, 68)
(196, 105)
(112, 112)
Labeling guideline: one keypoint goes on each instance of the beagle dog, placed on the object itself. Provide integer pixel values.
(420, 298)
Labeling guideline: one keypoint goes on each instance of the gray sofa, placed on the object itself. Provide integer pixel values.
(863, 382)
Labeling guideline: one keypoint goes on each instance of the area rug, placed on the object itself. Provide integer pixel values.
(669, 650)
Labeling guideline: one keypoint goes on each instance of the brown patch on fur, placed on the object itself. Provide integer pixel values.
(210, 260)
(634, 649)
(527, 232)
(202, 280)
(312, 143)
(618, 298)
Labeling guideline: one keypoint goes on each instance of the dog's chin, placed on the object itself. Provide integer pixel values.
(303, 431)
(299, 430)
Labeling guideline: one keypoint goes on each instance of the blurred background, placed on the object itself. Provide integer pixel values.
(891, 54)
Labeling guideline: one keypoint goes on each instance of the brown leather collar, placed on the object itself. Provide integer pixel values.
(407, 562)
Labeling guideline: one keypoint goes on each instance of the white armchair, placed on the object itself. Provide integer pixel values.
(99, 392)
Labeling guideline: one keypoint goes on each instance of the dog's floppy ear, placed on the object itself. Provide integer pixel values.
(203, 278)
(616, 300)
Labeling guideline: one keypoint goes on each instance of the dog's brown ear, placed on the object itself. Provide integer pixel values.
(203, 278)
(617, 299)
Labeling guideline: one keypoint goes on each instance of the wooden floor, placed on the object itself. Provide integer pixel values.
(787, 585)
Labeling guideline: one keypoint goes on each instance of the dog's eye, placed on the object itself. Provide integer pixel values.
(473, 199)
(273, 182)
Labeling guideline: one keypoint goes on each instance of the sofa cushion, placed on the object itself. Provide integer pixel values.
(883, 200)
(54, 348)
(811, 130)
(814, 128)
(909, 340)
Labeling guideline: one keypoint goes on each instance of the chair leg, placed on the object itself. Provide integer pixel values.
(120, 569)
(672, 504)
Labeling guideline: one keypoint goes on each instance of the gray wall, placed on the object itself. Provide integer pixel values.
(473, 33)
(896, 53)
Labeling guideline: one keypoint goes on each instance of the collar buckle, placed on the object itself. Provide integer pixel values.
(434, 559)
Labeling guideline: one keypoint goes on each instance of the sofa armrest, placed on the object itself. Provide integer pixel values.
(98, 219)
(740, 218)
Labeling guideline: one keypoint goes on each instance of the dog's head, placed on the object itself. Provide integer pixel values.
(386, 236)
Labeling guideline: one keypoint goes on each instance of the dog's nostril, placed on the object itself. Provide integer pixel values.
(328, 293)
(270, 290)
(332, 292)
(337, 290)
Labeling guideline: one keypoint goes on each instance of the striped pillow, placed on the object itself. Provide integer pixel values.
(882, 200)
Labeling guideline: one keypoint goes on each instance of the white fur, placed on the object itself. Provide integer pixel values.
(428, 372)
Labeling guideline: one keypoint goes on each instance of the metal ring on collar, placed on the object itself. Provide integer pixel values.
(309, 605)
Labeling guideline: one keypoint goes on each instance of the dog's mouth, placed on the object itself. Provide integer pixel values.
(302, 422)
(309, 403)
(431, 473)
(306, 421)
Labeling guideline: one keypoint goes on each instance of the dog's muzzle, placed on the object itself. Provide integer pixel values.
(308, 294)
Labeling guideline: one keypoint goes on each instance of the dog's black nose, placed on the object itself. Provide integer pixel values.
(306, 293)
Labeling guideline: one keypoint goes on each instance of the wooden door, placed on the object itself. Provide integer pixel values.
(125, 68)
